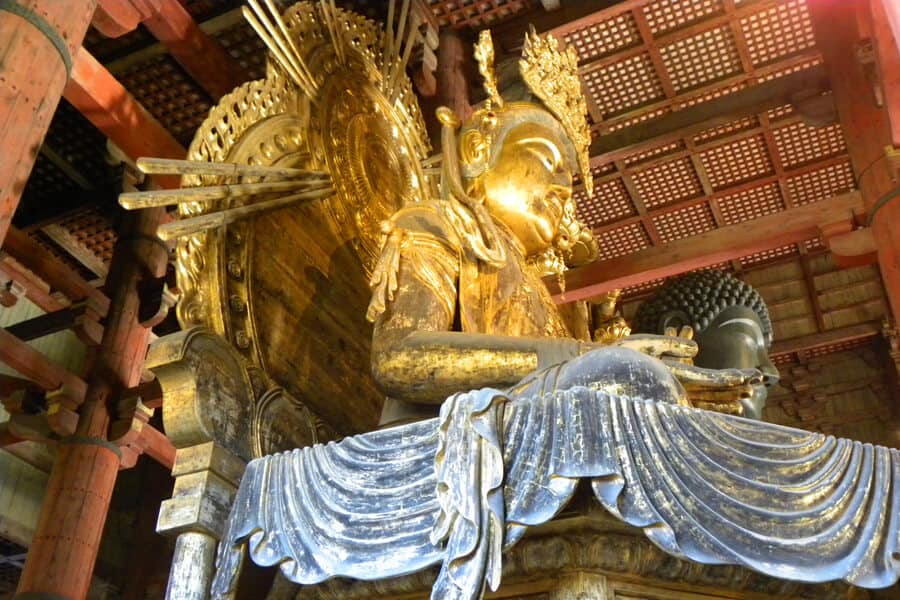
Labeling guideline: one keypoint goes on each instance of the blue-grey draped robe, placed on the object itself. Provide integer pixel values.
(703, 486)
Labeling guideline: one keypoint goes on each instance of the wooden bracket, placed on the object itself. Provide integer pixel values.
(10, 291)
(157, 299)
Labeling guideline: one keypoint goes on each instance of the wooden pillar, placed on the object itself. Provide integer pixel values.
(37, 40)
(452, 82)
(866, 127)
(61, 558)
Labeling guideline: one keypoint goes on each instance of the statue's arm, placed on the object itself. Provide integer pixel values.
(417, 357)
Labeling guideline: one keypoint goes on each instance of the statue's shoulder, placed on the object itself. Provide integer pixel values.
(426, 240)
(429, 221)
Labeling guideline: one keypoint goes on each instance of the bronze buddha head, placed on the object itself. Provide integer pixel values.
(731, 325)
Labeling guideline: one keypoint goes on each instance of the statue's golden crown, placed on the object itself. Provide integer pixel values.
(552, 75)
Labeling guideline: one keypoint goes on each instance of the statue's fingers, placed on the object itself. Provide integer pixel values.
(670, 332)
(687, 332)
(691, 376)
(659, 345)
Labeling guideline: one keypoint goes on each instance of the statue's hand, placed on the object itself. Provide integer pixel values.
(660, 346)
(720, 390)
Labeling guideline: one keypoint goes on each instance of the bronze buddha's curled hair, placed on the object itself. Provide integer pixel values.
(701, 296)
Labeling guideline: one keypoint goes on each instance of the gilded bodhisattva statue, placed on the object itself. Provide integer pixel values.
(458, 299)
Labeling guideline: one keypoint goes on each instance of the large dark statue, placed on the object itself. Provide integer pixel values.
(730, 321)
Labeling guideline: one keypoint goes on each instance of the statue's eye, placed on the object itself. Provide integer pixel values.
(545, 156)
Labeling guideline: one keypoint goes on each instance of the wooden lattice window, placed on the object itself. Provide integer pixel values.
(647, 115)
(838, 347)
(624, 85)
(814, 245)
(708, 56)
(667, 183)
(780, 112)
(780, 31)
(605, 37)
(821, 184)
(751, 204)
(610, 202)
(641, 289)
(788, 70)
(742, 160)
(664, 16)
(684, 222)
(706, 96)
(623, 240)
(798, 143)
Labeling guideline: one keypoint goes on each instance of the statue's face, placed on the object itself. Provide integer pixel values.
(734, 340)
(529, 183)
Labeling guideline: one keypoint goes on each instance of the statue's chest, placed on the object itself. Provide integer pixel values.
(511, 300)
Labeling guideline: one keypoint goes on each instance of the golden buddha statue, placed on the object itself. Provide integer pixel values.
(458, 299)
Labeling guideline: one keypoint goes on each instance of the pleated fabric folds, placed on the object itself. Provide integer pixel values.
(706, 487)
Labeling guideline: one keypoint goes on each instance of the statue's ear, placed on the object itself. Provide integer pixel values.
(473, 152)
(672, 318)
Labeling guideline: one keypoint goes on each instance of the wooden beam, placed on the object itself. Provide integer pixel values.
(35, 290)
(696, 118)
(108, 105)
(508, 36)
(47, 324)
(887, 51)
(825, 338)
(35, 366)
(707, 249)
(157, 446)
(40, 260)
(201, 55)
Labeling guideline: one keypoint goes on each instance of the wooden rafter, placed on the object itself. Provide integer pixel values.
(707, 249)
(47, 266)
(201, 55)
(108, 105)
(76, 248)
(822, 339)
(37, 291)
(718, 111)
